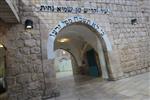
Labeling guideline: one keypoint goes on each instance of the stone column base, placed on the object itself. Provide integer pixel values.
(52, 94)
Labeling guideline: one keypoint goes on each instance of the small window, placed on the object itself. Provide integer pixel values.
(2, 69)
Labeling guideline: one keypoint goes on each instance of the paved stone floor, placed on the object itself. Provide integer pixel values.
(86, 88)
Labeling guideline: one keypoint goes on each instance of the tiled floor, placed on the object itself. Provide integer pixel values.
(87, 88)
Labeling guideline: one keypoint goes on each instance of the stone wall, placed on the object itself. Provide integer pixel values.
(30, 75)
(145, 8)
(132, 41)
(24, 73)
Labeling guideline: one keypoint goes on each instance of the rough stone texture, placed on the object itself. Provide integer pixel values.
(30, 75)
(35, 50)
(133, 73)
(24, 67)
(30, 43)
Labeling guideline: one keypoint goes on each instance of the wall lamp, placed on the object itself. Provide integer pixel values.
(28, 24)
(134, 21)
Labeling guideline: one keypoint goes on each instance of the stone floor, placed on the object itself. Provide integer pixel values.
(87, 88)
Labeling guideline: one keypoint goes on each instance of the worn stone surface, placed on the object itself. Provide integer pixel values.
(30, 43)
(35, 50)
(133, 88)
(27, 64)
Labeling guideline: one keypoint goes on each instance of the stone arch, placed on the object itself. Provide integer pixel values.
(69, 53)
(69, 21)
(102, 35)
(72, 56)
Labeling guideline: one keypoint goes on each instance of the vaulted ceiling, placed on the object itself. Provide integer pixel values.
(77, 38)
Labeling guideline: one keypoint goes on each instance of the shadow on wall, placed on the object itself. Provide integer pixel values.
(2, 70)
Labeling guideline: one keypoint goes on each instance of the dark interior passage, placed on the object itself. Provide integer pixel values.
(93, 63)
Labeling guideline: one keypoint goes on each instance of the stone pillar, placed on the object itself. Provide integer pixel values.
(24, 73)
(75, 68)
(113, 65)
(50, 87)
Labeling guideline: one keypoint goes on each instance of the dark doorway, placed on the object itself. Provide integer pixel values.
(93, 63)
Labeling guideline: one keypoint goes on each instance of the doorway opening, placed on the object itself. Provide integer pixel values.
(85, 41)
(66, 65)
(69, 75)
(85, 49)
(74, 34)
(87, 44)
(93, 63)
(63, 64)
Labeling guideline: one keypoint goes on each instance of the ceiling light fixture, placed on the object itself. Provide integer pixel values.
(64, 52)
(63, 40)
(1, 46)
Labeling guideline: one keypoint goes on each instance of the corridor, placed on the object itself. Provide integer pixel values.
(133, 88)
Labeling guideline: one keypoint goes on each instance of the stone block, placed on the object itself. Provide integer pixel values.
(126, 75)
(143, 70)
(38, 42)
(34, 57)
(23, 78)
(22, 96)
(34, 93)
(13, 71)
(35, 50)
(11, 81)
(149, 69)
(30, 43)
(37, 68)
(34, 77)
(19, 43)
(36, 98)
(33, 85)
(15, 89)
(36, 36)
(37, 62)
(138, 71)
(24, 68)
(25, 50)
(132, 73)
(25, 35)
(12, 97)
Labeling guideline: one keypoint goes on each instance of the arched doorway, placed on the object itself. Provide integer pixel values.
(63, 64)
(91, 60)
(69, 76)
(85, 46)
(81, 32)
(73, 39)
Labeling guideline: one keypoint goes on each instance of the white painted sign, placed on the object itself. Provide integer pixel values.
(69, 9)
(75, 19)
